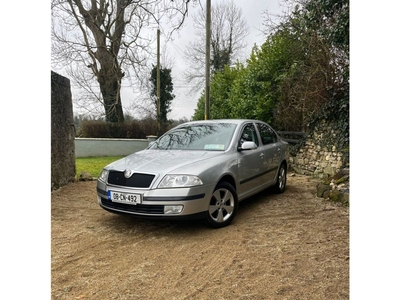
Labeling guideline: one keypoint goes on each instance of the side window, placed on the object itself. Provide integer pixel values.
(268, 136)
(249, 134)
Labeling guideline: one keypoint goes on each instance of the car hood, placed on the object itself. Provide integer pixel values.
(162, 161)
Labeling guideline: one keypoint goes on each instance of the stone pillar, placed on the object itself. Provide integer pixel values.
(62, 132)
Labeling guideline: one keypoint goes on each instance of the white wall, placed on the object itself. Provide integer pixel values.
(86, 147)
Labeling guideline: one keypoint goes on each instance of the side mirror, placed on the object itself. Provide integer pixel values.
(248, 146)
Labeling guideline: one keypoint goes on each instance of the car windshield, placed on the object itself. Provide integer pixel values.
(210, 137)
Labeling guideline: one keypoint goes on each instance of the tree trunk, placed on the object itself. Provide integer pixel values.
(110, 88)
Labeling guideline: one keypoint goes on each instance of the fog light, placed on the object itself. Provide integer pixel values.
(173, 209)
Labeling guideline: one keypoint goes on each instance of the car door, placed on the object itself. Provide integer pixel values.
(251, 174)
(272, 151)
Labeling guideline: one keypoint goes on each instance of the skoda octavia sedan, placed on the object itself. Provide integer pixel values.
(197, 170)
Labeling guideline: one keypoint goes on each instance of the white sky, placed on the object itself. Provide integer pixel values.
(184, 104)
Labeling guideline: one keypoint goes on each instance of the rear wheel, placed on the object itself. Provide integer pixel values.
(223, 206)
(281, 180)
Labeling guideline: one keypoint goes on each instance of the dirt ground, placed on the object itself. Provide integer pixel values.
(288, 246)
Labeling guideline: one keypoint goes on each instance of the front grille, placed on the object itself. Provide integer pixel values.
(137, 180)
(139, 208)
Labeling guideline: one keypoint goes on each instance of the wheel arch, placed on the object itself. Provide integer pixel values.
(229, 179)
(284, 162)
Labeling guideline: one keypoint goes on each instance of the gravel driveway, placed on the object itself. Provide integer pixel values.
(287, 246)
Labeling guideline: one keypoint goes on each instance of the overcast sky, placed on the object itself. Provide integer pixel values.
(183, 105)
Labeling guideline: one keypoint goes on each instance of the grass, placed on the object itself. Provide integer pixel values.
(93, 165)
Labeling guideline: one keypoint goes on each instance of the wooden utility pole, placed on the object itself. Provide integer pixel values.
(208, 38)
(158, 83)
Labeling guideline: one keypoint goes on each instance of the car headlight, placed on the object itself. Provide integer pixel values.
(104, 175)
(173, 181)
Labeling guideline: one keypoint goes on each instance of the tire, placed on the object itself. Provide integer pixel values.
(280, 184)
(223, 206)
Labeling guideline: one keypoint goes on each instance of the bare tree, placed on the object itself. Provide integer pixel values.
(100, 42)
(228, 31)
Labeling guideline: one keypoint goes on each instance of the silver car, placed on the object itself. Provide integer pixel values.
(197, 170)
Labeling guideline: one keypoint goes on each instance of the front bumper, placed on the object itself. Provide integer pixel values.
(194, 200)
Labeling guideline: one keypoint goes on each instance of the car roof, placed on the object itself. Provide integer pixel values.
(232, 121)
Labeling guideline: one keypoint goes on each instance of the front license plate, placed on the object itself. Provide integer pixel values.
(124, 197)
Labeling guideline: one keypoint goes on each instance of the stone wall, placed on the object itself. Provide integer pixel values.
(321, 154)
(62, 132)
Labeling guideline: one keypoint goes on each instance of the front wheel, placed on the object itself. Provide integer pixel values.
(281, 180)
(223, 206)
